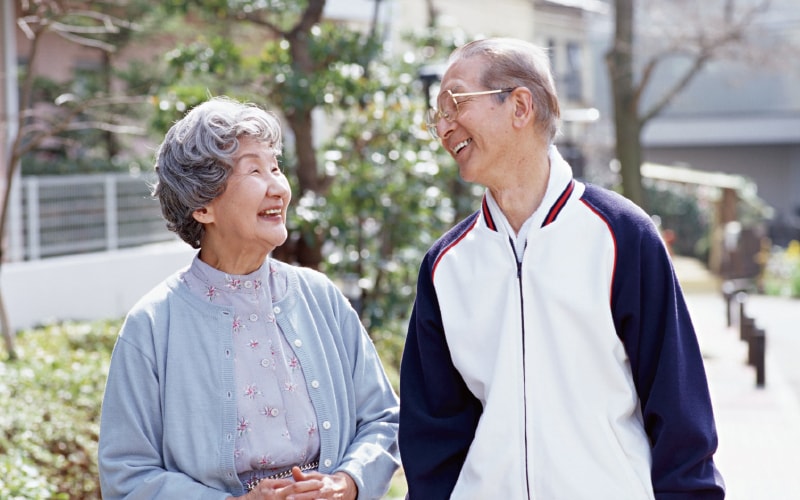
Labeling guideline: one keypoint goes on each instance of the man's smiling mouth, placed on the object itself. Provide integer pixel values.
(461, 145)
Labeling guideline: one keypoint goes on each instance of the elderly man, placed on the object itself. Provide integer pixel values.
(550, 353)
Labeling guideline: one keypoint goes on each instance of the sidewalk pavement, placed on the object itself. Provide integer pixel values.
(759, 428)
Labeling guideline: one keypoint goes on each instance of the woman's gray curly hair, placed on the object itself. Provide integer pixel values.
(196, 158)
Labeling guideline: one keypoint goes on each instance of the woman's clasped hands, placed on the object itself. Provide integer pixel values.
(305, 486)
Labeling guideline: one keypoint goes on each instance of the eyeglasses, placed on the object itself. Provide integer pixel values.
(449, 109)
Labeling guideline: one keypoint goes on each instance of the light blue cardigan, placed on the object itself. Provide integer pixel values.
(169, 416)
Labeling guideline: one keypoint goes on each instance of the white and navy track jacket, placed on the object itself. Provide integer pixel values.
(574, 374)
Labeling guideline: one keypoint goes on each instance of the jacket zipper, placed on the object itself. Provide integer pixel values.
(524, 371)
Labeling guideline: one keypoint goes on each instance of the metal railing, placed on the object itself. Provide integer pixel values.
(61, 215)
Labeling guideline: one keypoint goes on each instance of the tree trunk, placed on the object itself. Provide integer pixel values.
(626, 103)
(305, 248)
(8, 335)
(5, 324)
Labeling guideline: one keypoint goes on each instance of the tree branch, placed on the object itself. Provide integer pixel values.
(707, 49)
(311, 16)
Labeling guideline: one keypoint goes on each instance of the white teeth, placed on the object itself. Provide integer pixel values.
(461, 145)
(271, 211)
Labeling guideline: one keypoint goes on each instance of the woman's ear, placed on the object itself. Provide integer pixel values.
(202, 215)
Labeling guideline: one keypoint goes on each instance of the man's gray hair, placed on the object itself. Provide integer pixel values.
(195, 160)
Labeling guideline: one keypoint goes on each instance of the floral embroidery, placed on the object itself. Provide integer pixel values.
(233, 283)
(237, 324)
(260, 354)
(251, 391)
(266, 462)
(243, 426)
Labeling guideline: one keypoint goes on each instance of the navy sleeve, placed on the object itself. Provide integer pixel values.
(653, 322)
(438, 413)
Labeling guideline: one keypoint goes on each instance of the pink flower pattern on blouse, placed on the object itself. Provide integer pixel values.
(276, 424)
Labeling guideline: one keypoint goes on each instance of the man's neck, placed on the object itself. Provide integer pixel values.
(521, 193)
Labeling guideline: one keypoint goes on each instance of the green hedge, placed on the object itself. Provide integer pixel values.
(51, 400)
(50, 419)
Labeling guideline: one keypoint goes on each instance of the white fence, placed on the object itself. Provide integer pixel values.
(63, 215)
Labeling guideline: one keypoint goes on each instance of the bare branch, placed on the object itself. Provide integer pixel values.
(260, 21)
(106, 127)
(707, 47)
(24, 24)
(87, 42)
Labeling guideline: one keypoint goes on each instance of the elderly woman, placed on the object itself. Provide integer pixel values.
(239, 375)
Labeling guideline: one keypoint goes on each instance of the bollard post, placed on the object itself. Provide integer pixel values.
(757, 354)
(746, 326)
(727, 294)
(740, 298)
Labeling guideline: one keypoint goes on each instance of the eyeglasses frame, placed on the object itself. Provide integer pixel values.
(433, 115)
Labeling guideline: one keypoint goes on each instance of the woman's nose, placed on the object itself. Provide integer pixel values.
(278, 186)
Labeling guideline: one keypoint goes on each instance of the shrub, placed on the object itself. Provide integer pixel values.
(782, 271)
(51, 400)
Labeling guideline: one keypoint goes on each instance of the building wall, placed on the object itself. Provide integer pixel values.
(475, 17)
(737, 116)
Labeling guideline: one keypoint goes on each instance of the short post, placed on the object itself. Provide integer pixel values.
(757, 354)
(728, 293)
(740, 298)
(746, 326)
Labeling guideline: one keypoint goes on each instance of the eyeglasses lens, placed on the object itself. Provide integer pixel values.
(448, 109)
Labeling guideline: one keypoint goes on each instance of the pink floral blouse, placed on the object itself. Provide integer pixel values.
(277, 425)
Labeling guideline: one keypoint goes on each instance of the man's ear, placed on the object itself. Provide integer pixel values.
(524, 111)
(203, 215)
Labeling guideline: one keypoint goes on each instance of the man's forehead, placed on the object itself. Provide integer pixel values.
(458, 77)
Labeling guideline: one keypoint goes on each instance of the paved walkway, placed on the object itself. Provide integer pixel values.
(759, 428)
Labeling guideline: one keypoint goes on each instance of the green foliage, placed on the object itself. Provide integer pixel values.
(782, 271)
(82, 124)
(51, 398)
(682, 210)
(389, 190)
(389, 201)
(51, 401)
